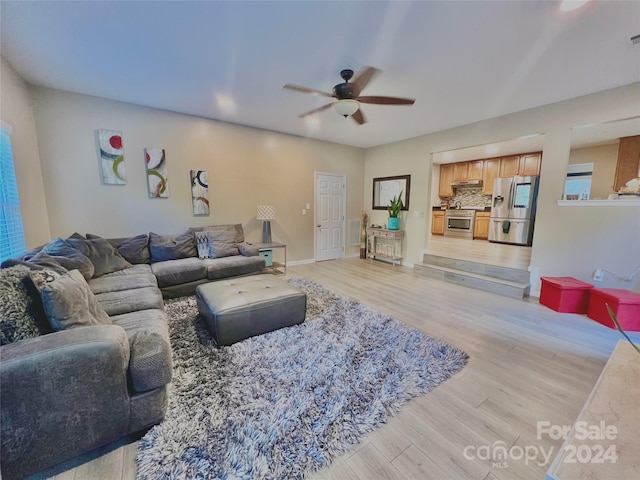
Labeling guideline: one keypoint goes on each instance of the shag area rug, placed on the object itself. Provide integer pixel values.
(290, 401)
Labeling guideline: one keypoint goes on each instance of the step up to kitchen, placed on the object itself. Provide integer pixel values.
(473, 275)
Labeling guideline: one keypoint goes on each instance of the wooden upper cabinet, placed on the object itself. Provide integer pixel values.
(460, 171)
(509, 166)
(530, 164)
(490, 172)
(446, 177)
(475, 169)
(628, 161)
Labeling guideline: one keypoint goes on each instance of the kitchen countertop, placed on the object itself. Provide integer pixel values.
(485, 209)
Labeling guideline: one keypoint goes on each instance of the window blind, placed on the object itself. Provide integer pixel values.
(11, 231)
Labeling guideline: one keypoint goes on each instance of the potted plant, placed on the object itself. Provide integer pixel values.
(395, 205)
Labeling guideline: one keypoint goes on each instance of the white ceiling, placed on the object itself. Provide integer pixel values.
(462, 61)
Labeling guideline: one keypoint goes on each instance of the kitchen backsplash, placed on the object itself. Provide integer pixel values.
(470, 197)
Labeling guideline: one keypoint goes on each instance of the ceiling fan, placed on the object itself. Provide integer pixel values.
(348, 97)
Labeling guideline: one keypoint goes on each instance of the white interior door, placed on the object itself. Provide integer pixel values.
(330, 212)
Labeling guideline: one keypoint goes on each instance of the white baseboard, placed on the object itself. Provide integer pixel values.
(301, 262)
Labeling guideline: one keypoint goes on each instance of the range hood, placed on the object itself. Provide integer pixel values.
(467, 183)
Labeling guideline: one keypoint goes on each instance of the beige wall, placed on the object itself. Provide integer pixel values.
(246, 167)
(604, 159)
(16, 111)
(568, 241)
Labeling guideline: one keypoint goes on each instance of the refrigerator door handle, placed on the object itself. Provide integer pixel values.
(512, 190)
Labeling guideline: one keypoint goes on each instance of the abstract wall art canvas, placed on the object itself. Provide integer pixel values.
(200, 192)
(111, 157)
(157, 172)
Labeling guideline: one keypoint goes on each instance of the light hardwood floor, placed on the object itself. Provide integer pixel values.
(527, 364)
(483, 251)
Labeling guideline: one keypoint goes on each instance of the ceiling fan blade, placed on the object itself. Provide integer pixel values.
(359, 117)
(316, 110)
(364, 77)
(386, 100)
(312, 91)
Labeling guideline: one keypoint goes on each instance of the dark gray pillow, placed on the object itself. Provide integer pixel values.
(134, 250)
(69, 257)
(68, 303)
(171, 247)
(21, 314)
(222, 243)
(39, 261)
(103, 255)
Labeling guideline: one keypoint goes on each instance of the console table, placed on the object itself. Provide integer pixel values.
(385, 244)
(275, 267)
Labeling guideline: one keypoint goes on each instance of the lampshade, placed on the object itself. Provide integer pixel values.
(266, 212)
(346, 108)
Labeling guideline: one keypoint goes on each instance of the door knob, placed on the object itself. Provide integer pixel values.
(319, 225)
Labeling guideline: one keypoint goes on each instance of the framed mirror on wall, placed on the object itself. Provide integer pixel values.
(385, 188)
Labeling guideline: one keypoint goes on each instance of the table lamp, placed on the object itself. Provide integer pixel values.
(266, 213)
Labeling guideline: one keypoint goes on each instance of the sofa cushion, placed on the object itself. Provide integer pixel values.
(126, 301)
(237, 228)
(21, 314)
(222, 243)
(103, 255)
(150, 364)
(133, 270)
(232, 266)
(69, 257)
(68, 302)
(249, 249)
(171, 247)
(134, 250)
(175, 272)
(116, 283)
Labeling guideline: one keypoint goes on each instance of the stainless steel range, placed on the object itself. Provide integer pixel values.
(459, 223)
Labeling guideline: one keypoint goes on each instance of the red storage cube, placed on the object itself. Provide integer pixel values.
(565, 294)
(624, 303)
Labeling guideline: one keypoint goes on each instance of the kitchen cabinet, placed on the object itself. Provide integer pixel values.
(628, 163)
(509, 166)
(437, 222)
(475, 169)
(460, 171)
(490, 172)
(530, 164)
(481, 225)
(446, 177)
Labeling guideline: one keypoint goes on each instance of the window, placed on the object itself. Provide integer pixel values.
(578, 183)
(11, 233)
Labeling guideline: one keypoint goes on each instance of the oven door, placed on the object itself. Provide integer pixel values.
(459, 227)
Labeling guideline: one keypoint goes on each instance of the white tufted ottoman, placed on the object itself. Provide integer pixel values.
(246, 306)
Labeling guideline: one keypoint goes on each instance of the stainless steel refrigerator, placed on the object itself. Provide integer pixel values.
(513, 210)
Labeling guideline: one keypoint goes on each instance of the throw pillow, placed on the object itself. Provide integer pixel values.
(202, 243)
(68, 303)
(21, 314)
(69, 257)
(104, 257)
(222, 244)
(171, 247)
(237, 228)
(134, 250)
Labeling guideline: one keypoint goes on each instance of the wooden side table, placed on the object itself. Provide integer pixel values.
(390, 248)
(277, 268)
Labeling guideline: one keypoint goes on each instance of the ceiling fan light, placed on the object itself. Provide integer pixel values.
(346, 108)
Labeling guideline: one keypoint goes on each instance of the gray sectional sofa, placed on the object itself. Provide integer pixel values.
(85, 356)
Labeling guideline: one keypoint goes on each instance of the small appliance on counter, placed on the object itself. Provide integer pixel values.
(513, 210)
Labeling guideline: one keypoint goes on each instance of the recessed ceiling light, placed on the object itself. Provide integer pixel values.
(569, 5)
